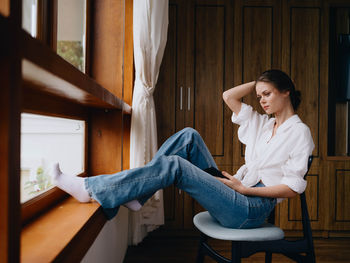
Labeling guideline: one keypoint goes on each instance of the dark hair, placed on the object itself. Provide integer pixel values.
(283, 83)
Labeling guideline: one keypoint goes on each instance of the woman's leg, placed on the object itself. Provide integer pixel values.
(188, 144)
(227, 206)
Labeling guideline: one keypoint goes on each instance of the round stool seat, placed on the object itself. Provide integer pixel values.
(212, 228)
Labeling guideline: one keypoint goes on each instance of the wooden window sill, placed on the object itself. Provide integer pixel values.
(47, 72)
(63, 234)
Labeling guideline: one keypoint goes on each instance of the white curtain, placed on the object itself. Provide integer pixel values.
(150, 26)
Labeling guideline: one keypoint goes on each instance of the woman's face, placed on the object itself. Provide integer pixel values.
(271, 99)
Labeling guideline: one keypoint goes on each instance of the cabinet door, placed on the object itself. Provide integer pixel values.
(209, 73)
(196, 69)
(169, 103)
(302, 33)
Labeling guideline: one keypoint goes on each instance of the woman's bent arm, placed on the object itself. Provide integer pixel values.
(232, 97)
(276, 191)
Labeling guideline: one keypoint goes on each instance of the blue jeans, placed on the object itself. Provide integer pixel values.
(180, 161)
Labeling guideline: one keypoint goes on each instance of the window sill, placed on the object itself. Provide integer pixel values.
(45, 71)
(64, 233)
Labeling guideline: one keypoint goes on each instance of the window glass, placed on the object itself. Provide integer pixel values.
(45, 141)
(71, 27)
(29, 16)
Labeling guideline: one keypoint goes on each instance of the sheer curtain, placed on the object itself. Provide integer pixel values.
(150, 26)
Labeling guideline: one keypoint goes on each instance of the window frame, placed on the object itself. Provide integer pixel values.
(40, 203)
(47, 34)
(31, 72)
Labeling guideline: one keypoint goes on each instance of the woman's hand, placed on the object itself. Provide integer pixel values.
(232, 182)
(276, 191)
(232, 97)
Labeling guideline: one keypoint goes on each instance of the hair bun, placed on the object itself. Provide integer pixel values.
(295, 96)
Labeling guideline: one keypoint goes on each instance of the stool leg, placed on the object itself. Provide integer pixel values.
(268, 257)
(235, 252)
(200, 254)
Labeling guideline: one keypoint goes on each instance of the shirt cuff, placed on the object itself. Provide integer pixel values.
(296, 184)
(243, 114)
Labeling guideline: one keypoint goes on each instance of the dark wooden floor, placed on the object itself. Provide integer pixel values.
(164, 246)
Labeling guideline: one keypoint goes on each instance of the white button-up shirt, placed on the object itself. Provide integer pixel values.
(281, 159)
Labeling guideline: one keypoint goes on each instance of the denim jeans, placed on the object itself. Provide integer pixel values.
(180, 161)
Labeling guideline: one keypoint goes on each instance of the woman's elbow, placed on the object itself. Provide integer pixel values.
(225, 96)
(291, 193)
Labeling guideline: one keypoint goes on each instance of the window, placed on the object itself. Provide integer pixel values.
(35, 79)
(71, 32)
(339, 82)
(45, 141)
(61, 25)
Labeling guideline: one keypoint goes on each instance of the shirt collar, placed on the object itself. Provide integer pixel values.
(288, 123)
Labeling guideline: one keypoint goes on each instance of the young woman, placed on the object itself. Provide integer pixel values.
(276, 158)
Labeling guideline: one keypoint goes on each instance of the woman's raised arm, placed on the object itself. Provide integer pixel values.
(232, 97)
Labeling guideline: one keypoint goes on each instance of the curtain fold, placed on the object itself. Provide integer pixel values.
(150, 26)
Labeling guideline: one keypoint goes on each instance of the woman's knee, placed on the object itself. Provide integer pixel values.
(190, 131)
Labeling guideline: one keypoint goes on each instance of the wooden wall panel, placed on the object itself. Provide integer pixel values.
(128, 83)
(290, 210)
(342, 196)
(166, 87)
(257, 48)
(107, 44)
(312, 199)
(301, 49)
(167, 103)
(304, 62)
(128, 54)
(105, 142)
(257, 43)
(210, 76)
(336, 194)
(209, 67)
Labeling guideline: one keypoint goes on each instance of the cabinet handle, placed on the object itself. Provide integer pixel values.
(180, 191)
(189, 99)
(180, 98)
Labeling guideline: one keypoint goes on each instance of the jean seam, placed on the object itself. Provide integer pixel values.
(229, 195)
(174, 152)
(120, 184)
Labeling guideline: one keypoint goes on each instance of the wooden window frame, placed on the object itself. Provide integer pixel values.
(41, 203)
(47, 34)
(37, 80)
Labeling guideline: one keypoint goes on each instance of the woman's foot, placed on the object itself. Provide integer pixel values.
(133, 205)
(73, 185)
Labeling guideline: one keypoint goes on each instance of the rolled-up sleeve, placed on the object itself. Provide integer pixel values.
(295, 168)
(243, 115)
(250, 123)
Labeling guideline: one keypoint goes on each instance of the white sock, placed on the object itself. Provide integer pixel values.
(133, 205)
(73, 185)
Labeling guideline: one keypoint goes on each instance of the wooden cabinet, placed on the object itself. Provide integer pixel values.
(197, 67)
(214, 45)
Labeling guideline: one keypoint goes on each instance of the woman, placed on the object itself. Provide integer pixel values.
(276, 157)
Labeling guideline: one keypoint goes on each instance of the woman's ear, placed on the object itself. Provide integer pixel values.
(286, 93)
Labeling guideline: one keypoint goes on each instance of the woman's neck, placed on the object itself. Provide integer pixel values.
(282, 116)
